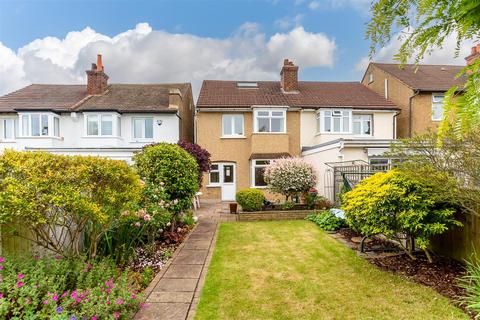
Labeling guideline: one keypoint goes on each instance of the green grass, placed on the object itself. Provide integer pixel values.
(293, 270)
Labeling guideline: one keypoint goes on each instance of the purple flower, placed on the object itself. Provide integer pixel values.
(19, 284)
(73, 318)
(59, 309)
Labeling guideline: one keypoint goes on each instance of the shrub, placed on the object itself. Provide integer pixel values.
(55, 288)
(393, 203)
(326, 220)
(250, 199)
(63, 199)
(290, 176)
(170, 173)
(287, 205)
(471, 283)
(201, 155)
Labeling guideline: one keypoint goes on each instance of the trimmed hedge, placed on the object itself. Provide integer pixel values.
(250, 199)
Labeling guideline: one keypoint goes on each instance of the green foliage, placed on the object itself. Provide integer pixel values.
(393, 203)
(65, 198)
(171, 168)
(425, 25)
(326, 220)
(55, 288)
(188, 219)
(288, 205)
(250, 199)
(471, 283)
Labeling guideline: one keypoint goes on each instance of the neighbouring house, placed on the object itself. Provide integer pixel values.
(247, 124)
(419, 91)
(102, 119)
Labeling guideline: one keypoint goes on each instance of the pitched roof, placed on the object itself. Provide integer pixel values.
(43, 97)
(118, 97)
(217, 94)
(425, 77)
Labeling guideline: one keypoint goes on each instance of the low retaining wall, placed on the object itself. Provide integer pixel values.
(273, 215)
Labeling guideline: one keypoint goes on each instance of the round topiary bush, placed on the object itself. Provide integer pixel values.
(172, 168)
(250, 199)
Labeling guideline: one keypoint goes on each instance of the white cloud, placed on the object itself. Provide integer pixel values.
(314, 5)
(143, 55)
(289, 22)
(444, 55)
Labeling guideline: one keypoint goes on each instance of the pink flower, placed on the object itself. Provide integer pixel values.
(93, 318)
(134, 296)
(142, 183)
(74, 294)
(137, 224)
(78, 300)
(147, 217)
(1, 267)
(45, 302)
(58, 257)
(116, 314)
(2, 259)
(107, 290)
(20, 276)
(108, 302)
(55, 297)
(1, 295)
(119, 302)
(64, 294)
(19, 284)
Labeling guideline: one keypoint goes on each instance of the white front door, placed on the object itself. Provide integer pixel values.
(227, 181)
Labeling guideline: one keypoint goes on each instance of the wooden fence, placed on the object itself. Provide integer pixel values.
(13, 240)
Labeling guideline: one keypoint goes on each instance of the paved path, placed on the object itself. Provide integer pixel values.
(175, 291)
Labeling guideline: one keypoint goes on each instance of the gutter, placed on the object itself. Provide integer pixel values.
(410, 118)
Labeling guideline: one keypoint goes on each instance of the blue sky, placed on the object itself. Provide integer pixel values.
(32, 36)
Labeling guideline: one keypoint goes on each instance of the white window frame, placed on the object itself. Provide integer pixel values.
(115, 124)
(333, 114)
(252, 171)
(270, 116)
(143, 138)
(370, 77)
(50, 124)
(15, 125)
(437, 104)
(232, 125)
(362, 122)
(214, 184)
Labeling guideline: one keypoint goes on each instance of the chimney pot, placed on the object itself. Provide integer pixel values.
(97, 80)
(99, 62)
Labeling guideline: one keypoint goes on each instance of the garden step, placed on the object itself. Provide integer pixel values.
(184, 271)
(171, 297)
(176, 285)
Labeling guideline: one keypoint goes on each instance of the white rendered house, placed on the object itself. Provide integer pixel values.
(111, 120)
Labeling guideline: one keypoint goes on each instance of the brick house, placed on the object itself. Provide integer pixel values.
(111, 120)
(247, 124)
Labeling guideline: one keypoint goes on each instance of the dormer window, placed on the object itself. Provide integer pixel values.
(39, 125)
(247, 85)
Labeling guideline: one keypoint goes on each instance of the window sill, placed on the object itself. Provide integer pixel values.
(435, 120)
(233, 137)
(102, 137)
(142, 141)
(269, 132)
(213, 186)
(333, 133)
(8, 141)
(41, 137)
(259, 187)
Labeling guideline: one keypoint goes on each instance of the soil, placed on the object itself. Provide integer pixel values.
(441, 275)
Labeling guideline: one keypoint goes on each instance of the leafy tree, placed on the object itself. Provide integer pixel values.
(290, 176)
(424, 25)
(392, 204)
(201, 155)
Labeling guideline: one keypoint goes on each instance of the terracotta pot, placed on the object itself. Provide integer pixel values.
(233, 207)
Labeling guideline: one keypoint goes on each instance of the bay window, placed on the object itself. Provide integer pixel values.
(270, 121)
(258, 169)
(362, 124)
(334, 121)
(143, 128)
(40, 125)
(232, 125)
(437, 107)
(102, 125)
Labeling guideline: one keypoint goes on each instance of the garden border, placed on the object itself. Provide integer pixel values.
(274, 215)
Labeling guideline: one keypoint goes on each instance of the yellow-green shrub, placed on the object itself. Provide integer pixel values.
(393, 203)
(64, 198)
(250, 199)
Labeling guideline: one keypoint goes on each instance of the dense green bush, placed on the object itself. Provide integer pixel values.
(169, 167)
(64, 199)
(57, 288)
(326, 220)
(392, 204)
(250, 199)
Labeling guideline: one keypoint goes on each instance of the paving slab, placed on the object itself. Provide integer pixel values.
(184, 271)
(171, 297)
(176, 285)
(187, 256)
(197, 244)
(202, 236)
(163, 311)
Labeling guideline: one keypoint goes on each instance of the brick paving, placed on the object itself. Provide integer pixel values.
(175, 291)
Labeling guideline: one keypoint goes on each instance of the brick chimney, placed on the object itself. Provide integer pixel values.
(97, 78)
(474, 55)
(289, 76)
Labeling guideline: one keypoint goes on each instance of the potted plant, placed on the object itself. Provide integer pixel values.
(233, 207)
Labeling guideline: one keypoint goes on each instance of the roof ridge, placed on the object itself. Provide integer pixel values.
(419, 65)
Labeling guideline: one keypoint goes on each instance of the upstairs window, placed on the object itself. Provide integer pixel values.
(143, 128)
(8, 129)
(102, 125)
(437, 107)
(232, 125)
(334, 121)
(362, 124)
(39, 125)
(270, 121)
(370, 78)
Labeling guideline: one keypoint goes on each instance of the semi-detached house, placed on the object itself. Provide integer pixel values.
(247, 124)
(111, 120)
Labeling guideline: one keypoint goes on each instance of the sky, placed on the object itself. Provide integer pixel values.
(189, 41)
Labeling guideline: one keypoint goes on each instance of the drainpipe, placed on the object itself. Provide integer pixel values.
(410, 124)
(394, 135)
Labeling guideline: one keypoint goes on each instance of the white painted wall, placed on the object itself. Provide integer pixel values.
(383, 128)
(73, 139)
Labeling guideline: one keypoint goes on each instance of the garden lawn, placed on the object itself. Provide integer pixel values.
(293, 270)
